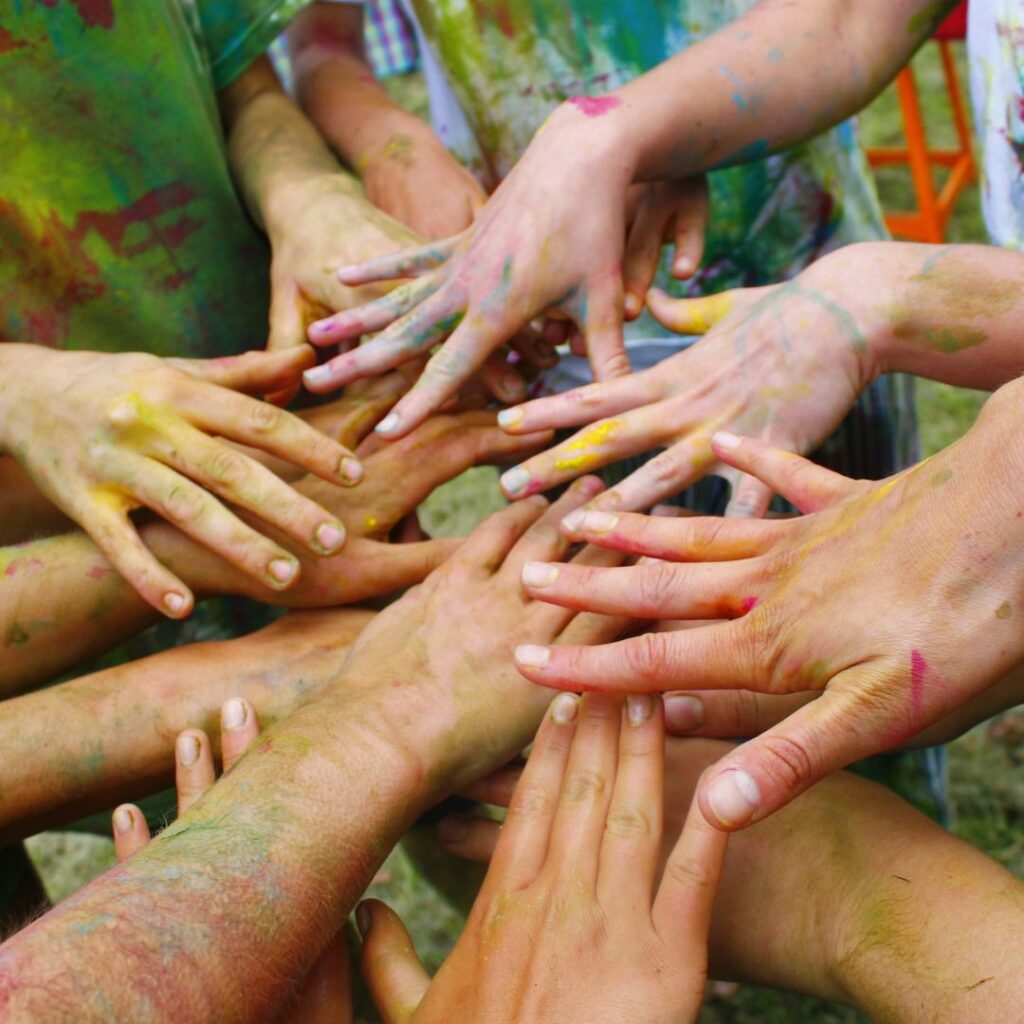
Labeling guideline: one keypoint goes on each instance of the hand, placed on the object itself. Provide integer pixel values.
(784, 363)
(326, 993)
(413, 178)
(895, 599)
(399, 477)
(572, 923)
(103, 434)
(315, 223)
(675, 212)
(458, 675)
(551, 237)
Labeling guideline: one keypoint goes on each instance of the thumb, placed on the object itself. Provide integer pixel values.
(686, 896)
(390, 966)
(691, 224)
(764, 774)
(698, 316)
(287, 316)
(252, 373)
(603, 331)
(808, 486)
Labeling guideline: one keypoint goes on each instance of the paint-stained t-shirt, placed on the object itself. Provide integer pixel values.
(510, 62)
(996, 44)
(120, 226)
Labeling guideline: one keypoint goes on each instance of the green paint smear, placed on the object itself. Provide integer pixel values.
(950, 340)
(16, 636)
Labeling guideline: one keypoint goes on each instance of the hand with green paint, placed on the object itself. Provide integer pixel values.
(576, 920)
(104, 434)
(783, 363)
(898, 601)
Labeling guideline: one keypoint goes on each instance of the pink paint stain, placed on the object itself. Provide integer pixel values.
(28, 565)
(595, 106)
(97, 572)
(918, 669)
(748, 604)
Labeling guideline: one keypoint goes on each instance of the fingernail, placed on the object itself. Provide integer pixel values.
(123, 820)
(510, 417)
(632, 305)
(233, 714)
(452, 829)
(574, 521)
(363, 919)
(564, 708)
(329, 536)
(389, 424)
(539, 574)
(282, 570)
(350, 470)
(175, 603)
(317, 374)
(321, 325)
(683, 713)
(343, 272)
(639, 707)
(600, 522)
(734, 797)
(684, 266)
(515, 480)
(188, 750)
(512, 383)
(532, 655)
(723, 439)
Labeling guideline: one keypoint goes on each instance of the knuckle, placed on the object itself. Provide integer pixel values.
(583, 787)
(656, 585)
(628, 824)
(228, 467)
(647, 656)
(184, 505)
(531, 802)
(264, 418)
(616, 365)
(688, 873)
(788, 760)
(664, 468)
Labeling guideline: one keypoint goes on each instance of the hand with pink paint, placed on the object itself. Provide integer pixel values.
(552, 237)
(104, 434)
(326, 993)
(576, 921)
(898, 601)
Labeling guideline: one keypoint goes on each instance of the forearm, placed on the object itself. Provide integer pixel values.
(849, 894)
(271, 144)
(747, 91)
(117, 727)
(217, 916)
(950, 313)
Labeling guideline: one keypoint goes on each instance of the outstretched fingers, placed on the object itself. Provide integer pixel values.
(405, 263)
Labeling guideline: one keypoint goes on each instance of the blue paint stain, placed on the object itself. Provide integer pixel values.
(738, 97)
(748, 154)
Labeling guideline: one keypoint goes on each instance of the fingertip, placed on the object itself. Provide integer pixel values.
(510, 419)
(319, 379)
(725, 441)
(123, 819)
(730, 798)
(178, 604)
(632, 306)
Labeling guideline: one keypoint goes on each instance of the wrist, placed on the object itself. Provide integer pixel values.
(599, 131)
(287, 198)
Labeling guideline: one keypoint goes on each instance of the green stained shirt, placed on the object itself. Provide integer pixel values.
(120, 226)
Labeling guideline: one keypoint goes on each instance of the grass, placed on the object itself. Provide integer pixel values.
(986, 780)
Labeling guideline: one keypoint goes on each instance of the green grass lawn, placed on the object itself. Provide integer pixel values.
(986, 779)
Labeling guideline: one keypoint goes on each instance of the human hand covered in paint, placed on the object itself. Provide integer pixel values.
(574, 922)
(104, 434)
(897, 600)
(399, 477)
(551, 237)
(785, 363)
(326, 993)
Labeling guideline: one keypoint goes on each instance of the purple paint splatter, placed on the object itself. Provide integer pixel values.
(595, 106)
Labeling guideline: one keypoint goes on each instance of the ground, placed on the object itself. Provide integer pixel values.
(985, 766)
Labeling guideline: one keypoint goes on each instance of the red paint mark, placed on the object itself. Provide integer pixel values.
(748, 604)
(595, 106)
(918, 669)
(8, 42)
(97, 572)
(95, 13)
(57, 273)
(29, 565)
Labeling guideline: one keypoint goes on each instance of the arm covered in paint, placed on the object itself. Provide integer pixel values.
(553, 235)
(236, 899)
(77, 748)
(402, 163)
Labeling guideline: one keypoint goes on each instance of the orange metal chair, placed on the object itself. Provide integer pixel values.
(929, 221)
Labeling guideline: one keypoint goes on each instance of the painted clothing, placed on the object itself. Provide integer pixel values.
(120, 226)
(996, 46)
